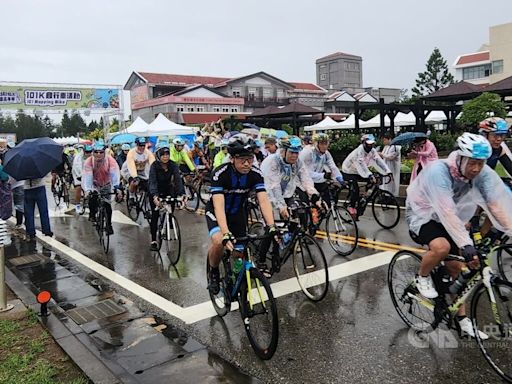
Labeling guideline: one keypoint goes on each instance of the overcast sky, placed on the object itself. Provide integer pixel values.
(92, 41)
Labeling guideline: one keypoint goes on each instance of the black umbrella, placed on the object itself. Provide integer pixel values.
(33, 158)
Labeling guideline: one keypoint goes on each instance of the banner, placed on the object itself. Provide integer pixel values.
(16, 97)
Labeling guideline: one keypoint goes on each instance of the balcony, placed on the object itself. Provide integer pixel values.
(262, 102)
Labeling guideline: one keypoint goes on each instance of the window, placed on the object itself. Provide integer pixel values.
(477, 72)
(225, 108)
(216, 108)
(497, 66)
(267, 92)
(234, 108)
(236, 93)
(322, 66)
(200, 108)
(180, 108)
(323, 76)
(190, 108)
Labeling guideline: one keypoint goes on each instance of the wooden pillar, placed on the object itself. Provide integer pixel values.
(382, 114)
(356, 115)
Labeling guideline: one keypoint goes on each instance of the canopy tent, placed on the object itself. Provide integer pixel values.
(326, 123)
(138, 125)
(405, 119)
(161, 126)
(349, 123)
(70, 140)
(435, 117)
(374, 122)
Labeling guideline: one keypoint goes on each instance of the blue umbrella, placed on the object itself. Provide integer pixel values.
(281, 134)
(123, 138)
(33, 158)
(407, 138)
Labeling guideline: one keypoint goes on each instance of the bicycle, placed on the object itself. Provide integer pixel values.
(168, 232)
(138, 202)
(84, 203)
(309, 263)
(195, 191)
(491, 303)
(340, 227)
(101, 218)
(385, 208)
(61, 189)
(258, 307)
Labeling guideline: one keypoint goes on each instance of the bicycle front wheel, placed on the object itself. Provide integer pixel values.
(416, 311)
(192, 198)
(65, 194)
(310, 267)
(386, 210)
(102, 230)
(57, 192)
(494, 320)
(222, 300)
(341, 231)
(259, 314)
(169, 238)
(504, 262)
(204, 192)
(131, 205)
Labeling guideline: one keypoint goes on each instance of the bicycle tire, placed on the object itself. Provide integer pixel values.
(58, 193)
(495, 349)
(83, 204)
(382, 202)
(342, 231)
(504, 263)
(310, 267)
(131, 208)
(222, 301)
(192, 198)
(402, 271)
(146, 207)
(102, 230)
(263, 337)
(204, 192)
(171, 241)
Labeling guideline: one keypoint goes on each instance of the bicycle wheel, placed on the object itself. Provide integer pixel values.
(341, 231)
(310, 267)
(65, 194)
(221, 301)
(132, 205)
(57, 193)
(84, 203)
(146, 207)
(259, 313)
(495, 320)
(406, 299)
(385, 209)
(204, 192)
(169, 238)
(192, 198)
(102, 230)
(504, 262)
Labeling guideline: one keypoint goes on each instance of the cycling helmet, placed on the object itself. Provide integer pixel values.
(224, 143)
(473, 146)
(162, 144)
(368, 139)
(125, 147)
(11, 144)
(493, 124)
(178, 141)
(321, 138)
(291, 143)
(99, 146)
(241, 145)
(140, 141)
(87, 148)
(308, 139)
(162, 147)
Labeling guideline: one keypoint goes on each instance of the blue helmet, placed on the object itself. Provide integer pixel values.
(291, 143)
(87, 148)
(162, 144)
(99, 146)
(178, 141)
(140, 141)
(125, 147)
(474, 146)
(368, 139)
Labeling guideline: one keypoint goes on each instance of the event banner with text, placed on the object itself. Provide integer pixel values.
(15, 97)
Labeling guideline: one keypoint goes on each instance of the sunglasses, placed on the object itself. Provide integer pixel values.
(98, 152)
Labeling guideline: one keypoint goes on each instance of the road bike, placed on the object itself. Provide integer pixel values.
(197, 188)
(101, 217)
(385, 208)
(251, 289)
(61, 189)
(491, 303)
(138, 202)
(168, 233)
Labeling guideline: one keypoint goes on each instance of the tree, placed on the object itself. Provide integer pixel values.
(368, 114)
(435, 77)
(65, 124)
(479, 108)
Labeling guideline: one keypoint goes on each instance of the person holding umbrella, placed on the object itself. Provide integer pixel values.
(424, 151)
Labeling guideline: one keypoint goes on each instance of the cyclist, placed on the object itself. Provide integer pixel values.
(317, 159)
(138, 162)
(121, 157)
(270, 145)
(164, 180)
(285, 174)
(226, 216)
(222, 156)
(78, 165)
(180, 156)
(495, 130)
(101, 174)
(355, 168)
(62, 170)
(197, 155)
(442, 199)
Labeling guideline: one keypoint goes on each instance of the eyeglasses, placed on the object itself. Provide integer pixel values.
(243, 160)
(98, 152)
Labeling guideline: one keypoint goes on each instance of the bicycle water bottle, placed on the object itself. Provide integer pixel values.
(464, 276)
(286, 240)
(237, 266)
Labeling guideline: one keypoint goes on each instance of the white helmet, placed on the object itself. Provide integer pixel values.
(474, 146)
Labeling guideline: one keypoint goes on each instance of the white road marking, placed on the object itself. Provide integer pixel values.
(205, 310)
(120, 217)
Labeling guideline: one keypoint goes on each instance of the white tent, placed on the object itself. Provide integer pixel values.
(435, 117)
(404, 119)
(374, 122)
(138, 125)
(326, 123)
(161, 126)
(349, 123)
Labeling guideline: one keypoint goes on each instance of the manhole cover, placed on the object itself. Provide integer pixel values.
(23, 260)
(96, 311)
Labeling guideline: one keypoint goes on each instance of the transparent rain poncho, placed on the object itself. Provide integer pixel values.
(358, 161)
(441, 194)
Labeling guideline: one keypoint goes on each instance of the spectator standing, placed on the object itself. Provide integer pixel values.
(35, 193)
(424, 151)
(392, 157)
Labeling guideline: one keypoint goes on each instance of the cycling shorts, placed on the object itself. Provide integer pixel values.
(433, 230)
(237, 224)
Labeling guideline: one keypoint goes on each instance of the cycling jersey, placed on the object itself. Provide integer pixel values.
(181, 158)
(503, 155)
(139, 163)
(358, 161)
(315, 162)
(282, 179)
(220, 158)
(441, 194)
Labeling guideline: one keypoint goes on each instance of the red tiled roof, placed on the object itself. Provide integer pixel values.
(201, 118)
(307, 87)
(332, 55)
(171, 79)
(502, 85)
(473, 58)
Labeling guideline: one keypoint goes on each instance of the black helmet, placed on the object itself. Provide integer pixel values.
(241, 145)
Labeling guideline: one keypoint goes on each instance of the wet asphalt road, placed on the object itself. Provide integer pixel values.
(353, 335)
